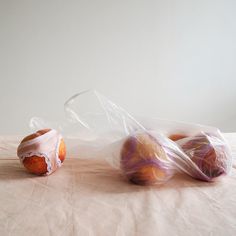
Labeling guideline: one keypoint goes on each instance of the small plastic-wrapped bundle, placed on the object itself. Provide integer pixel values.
(42, 152)
(209, 155)
(145, 161)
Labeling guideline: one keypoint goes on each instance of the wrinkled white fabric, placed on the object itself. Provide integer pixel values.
(90, 198)
(45, 146)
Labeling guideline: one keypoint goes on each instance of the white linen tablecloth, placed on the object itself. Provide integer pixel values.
(88, 197)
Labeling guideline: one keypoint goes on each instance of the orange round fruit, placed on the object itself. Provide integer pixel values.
(144, 161)
(176, 137)
(37, 164)
(208, 154)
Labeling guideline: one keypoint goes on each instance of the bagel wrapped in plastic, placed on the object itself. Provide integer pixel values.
(42, 152)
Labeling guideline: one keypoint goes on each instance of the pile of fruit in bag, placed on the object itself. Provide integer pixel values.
(147, 151)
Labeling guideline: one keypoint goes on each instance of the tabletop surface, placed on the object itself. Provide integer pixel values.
(88, 197)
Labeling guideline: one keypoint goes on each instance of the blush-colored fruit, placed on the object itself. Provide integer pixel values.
(208, 154)
(176, 137)
(144, 161)
(38, 164)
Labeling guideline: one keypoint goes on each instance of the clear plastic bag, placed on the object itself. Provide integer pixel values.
(95, 127)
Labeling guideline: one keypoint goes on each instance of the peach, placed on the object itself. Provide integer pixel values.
(208, 154)
(144, 161)
(37, 164)
(176, 137)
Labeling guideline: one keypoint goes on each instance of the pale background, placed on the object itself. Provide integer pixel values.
(174, 59)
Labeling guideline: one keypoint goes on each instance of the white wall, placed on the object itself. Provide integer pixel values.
(175, 59)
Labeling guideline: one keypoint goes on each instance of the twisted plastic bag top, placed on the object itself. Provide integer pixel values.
(89, 115)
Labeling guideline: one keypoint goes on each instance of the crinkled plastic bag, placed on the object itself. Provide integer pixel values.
(95, 127)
